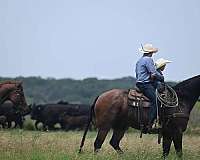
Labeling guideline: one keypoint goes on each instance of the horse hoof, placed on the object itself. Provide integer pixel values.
(164, 156)
(119, 151)
(96, 151)
(80, 150)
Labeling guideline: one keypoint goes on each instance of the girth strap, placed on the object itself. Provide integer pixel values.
(177, 115)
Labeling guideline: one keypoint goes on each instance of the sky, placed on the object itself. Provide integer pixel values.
(97, 38)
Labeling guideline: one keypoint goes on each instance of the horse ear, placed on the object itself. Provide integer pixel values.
(30, 106)
(19, 83)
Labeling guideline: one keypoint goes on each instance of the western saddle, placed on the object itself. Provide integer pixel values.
(136, 98)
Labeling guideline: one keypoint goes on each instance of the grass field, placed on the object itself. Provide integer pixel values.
(34, 145)
(19, 144)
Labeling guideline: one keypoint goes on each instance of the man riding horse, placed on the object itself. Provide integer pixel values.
(148, 76)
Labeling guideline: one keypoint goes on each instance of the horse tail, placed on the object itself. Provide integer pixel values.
(88, 123)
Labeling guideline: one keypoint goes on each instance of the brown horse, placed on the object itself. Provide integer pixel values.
(13, 91)
(110, 110)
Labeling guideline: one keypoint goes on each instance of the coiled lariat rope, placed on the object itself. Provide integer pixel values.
(167, 97)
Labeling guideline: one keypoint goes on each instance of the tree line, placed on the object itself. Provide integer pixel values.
(50, 90)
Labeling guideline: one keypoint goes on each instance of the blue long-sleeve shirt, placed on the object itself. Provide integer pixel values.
(145, 68)
(159, 79)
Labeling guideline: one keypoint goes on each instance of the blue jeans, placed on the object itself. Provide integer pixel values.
(149, 90)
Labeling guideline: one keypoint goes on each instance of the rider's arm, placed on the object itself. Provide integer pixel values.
(151, 69)
(159, 76)
(154, 75)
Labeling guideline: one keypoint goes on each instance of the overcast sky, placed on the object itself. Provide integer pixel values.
(97, 38)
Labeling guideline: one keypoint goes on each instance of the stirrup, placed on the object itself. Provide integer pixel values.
(156, 125)
(155, 128)
(153, 131)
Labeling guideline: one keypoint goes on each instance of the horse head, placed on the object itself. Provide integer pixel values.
(188, 91)
(13, 91)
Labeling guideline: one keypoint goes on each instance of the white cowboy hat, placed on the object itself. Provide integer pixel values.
(148, 48)
(161, 62)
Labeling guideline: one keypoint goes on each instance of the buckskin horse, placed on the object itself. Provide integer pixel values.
(13, 91)
(110, 110)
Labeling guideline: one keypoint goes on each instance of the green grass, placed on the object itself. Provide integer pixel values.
(19, 144)
(197, 105)
(194, 125)
(35, 145)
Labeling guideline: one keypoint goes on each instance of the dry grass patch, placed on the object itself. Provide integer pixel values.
(34, 145)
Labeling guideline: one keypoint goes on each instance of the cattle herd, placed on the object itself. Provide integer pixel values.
(68, 116)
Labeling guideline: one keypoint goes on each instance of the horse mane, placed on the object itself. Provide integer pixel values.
(186, 82)
(62, 102)
(10, 82)
(182, 87)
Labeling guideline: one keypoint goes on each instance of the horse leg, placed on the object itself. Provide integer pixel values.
(115, 140)
(177, 140)
(51, 127)
(36, 125)
(3, 125)
(45, 127)
(20, 122)
(167, 141)
(67, 127)
(102, 133)
(9, 124)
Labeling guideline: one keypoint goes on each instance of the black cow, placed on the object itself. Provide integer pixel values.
(3, 121)
(49, 114)
(12, 114)
(73, 122)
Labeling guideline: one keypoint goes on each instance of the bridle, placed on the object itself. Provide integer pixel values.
(17, 101)
(169, 99)
(19, 94)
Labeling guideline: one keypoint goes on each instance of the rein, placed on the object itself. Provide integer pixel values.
(169, 99)
(3, 99)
